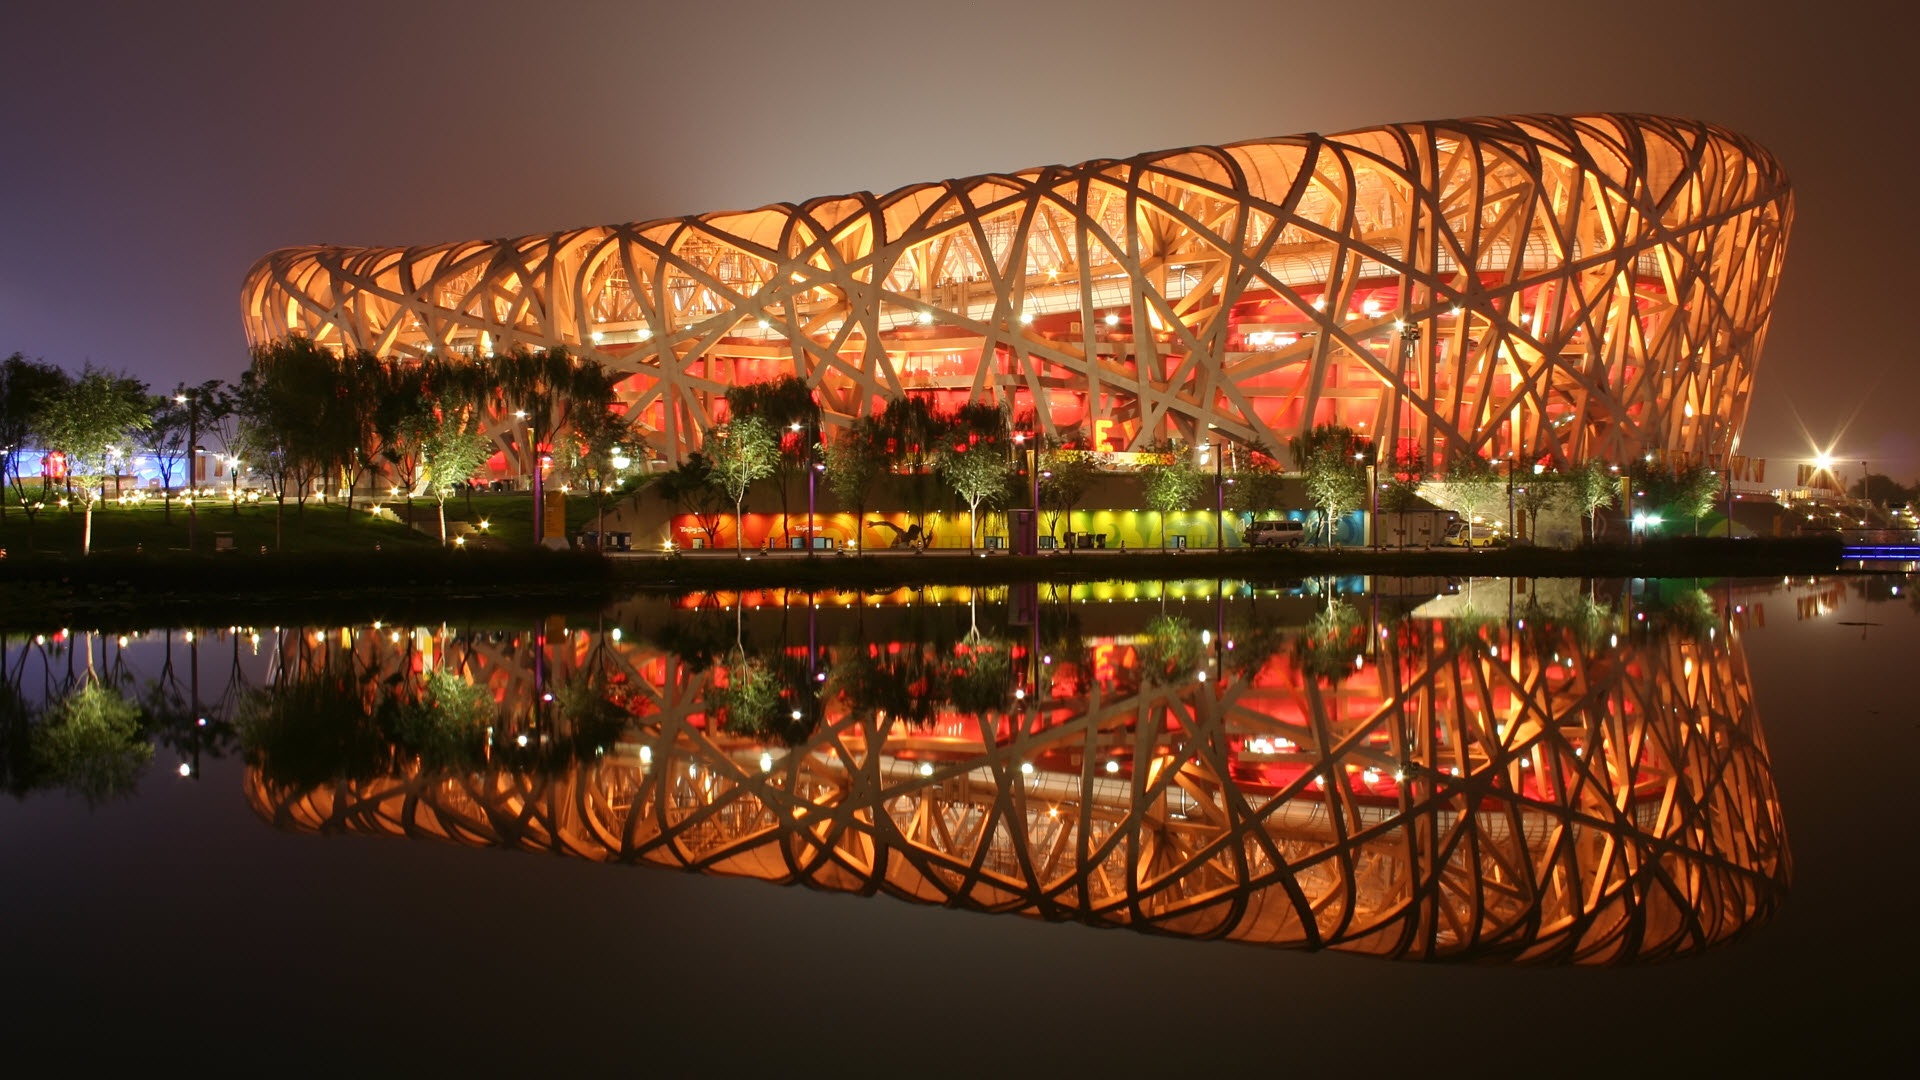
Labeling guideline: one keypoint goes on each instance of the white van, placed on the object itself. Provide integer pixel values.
(1276, 534)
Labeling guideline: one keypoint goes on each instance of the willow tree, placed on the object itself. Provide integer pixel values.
(914, 429)
(26, 387)
(544, 389)
(854, 459)
(451, 453)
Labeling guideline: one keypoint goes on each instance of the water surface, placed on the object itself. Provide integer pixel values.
(1525, 780)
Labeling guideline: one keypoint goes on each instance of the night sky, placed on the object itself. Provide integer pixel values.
(149, 153)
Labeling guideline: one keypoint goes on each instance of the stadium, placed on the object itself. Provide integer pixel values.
(1554, 288)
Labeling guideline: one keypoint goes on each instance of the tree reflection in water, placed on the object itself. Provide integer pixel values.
(1416, 787)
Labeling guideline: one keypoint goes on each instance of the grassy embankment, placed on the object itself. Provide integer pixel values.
(341, 564)
(330, 562)
(149, 529)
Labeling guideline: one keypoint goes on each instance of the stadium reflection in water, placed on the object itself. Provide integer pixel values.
(1569, 781)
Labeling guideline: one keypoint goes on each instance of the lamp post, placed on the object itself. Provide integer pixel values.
(1510, 463)
(1030, 545)
(539, 494)
(191, 399)
(1373, 504)
(813, 468)
(1219, 498)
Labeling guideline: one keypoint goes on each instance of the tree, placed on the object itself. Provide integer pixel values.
(692, 487)
(1471, 487)
(787, 405)
(1541, 491)
(260, 438)
(549, 387)
(854, 459)
(1065, 476)
(26, 386)
(1400, 493)
(1332, 461)
(1258, 485)
(1591, 485)
(295, 424)
(914, 430)
(594, 442)
(973, 460)
(179, 419)
(90, 742)
(1696, 490)
(740, 453)
(85, 420)
(451, 453)
(1170, 484)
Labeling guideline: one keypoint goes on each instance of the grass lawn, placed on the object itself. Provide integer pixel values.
(329, 527)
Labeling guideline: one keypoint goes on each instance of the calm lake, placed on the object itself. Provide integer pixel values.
(1458, 825)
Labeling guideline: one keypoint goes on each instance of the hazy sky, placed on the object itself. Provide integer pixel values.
(150, 152)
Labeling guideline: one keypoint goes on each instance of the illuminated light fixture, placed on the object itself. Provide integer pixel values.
(646, 755)
(186, 769)
(598, 337)
(1026, 768)
(1026, 318)
(766, 762)
(926, 768)
(1112, 319)
(764, 324)
(521, 739)
(925, 318)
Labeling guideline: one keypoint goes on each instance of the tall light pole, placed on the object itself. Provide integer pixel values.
(1219, 495)
(539, 495)
(813, 467)
(1030, 544)
(191, 399)
(1373, 507)
(1510, 463)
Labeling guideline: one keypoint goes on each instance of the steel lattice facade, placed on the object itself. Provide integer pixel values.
(1557, 288)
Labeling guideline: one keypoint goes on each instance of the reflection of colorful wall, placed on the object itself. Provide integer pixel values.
(1132, 528)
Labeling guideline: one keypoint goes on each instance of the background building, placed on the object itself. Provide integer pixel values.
(1550, 287)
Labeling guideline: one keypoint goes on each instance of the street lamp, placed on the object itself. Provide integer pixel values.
(191, 399)
(1219, 491)
(813, 470)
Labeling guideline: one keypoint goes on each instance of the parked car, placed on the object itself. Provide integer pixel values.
(1276, 534)
(1457, 536)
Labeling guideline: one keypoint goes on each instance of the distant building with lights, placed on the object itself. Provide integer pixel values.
(1542, 287)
